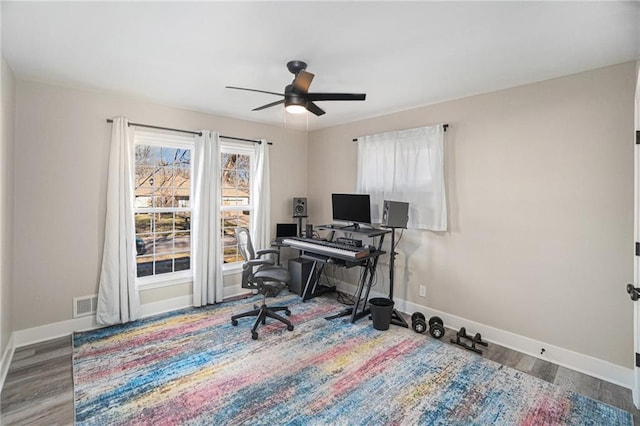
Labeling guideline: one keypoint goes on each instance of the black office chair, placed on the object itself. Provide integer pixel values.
(261, 274)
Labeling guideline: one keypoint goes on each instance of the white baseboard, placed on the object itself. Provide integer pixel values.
(586, 364)
(234, 291)
(168, 305)
(6, 361)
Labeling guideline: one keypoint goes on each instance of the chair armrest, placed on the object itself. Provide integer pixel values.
(266, 251)
(257, 262)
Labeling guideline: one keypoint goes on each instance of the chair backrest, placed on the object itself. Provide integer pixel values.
(266, 279)
(244, 243)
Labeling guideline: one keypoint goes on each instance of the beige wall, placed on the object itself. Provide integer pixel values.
(6, 205)
(540, 197)
(60, 185)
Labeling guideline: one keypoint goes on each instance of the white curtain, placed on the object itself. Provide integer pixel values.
(261, 193)
(408, 166)
(118, 300)
(207, 257)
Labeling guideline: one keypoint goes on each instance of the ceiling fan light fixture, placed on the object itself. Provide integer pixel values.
(295, 109)
(295, 104)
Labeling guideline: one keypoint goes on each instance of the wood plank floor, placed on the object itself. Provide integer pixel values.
(38, 389)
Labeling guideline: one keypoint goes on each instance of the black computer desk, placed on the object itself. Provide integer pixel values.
(321, 257)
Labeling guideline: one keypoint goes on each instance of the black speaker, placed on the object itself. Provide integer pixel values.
(299, 269)
(299, 207)
(395, 214)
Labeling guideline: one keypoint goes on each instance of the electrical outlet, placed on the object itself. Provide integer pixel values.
(423, 291)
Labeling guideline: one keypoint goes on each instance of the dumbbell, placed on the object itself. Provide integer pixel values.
(436, 327)
(418, 323)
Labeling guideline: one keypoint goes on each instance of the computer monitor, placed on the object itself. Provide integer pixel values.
(354, 208)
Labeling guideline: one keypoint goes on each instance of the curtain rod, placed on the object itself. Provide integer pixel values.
(189, 132)
(444, 126)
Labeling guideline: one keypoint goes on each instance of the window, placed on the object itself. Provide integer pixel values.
(162, 207)
(236, 203)
(406, 165)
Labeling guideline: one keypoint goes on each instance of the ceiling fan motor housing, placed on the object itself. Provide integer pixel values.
(296, 66)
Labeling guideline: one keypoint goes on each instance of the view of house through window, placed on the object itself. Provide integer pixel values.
(236, 206)
(162, 209)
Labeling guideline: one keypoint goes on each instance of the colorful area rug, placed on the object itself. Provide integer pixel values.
(194, 367)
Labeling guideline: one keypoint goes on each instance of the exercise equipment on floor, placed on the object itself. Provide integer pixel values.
(475, 340)
(435, 325)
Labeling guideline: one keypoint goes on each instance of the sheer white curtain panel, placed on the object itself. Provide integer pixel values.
(408, 166)
(207, 256)
(261, 193)
(118, 300)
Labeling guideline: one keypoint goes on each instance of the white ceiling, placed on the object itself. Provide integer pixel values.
(401, 54)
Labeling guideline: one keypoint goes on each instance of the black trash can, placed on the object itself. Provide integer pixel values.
(381, 312)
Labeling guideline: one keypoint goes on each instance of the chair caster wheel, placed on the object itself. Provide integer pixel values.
(290, 327)
(287, 312)
(234, 322)
(254, 335)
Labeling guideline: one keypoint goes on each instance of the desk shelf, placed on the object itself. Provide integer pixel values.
(369, 232)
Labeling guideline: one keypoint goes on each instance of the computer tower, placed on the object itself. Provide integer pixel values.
(299, 269)
(395, 214)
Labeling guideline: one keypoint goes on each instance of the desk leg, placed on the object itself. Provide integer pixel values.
(305, 292)
(355, 314)
(398, 319)
(353, 311)
(311, 291)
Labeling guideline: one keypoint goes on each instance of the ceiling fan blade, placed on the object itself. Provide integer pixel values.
(302, 82)
(254, 90)
(336, 96)
(311, 107)
(281, 101)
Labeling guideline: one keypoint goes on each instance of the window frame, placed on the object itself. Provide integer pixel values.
(231, 147)
(169, 141)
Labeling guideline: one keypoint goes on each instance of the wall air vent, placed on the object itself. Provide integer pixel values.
(86, 305)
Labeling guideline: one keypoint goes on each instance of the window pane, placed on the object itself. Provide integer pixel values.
(163, 187)
(144, 176)
(183, 221)
(227, 160)
(144, 244)
(235, 218)
(184, 156)
(143, 222)
(231, 220)
(163, 264)
(163, 222)
(162, 181)
(182, 263)
(235, 184)
(145, 266)
(182, 187)
(230, 250)
(182, 241)
(229, 178)
(144, 198)
(144, 155)
(163, 243)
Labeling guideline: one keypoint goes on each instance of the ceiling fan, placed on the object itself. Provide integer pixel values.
(297, 98)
